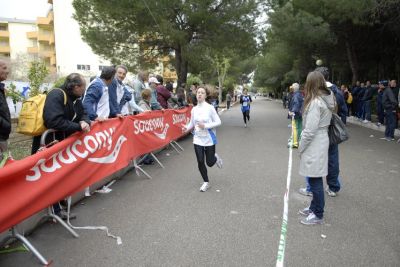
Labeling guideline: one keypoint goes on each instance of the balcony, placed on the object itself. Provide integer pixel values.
(5, 49)
(32, 35)
(33, 50)
(4, 34)
(46, 20)
(45, 37)
(47, 53)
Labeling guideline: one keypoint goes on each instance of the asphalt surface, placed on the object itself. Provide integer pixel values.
(166, 221)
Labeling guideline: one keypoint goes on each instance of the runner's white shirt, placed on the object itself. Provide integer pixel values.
(205, 113)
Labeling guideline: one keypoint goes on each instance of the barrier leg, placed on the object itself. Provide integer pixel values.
(156, 159)
(51, 214)
(16, 235)
(176, 144)
(174, 147)
(138, 168)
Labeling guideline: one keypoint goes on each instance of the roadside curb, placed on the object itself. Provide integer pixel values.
(370, 125)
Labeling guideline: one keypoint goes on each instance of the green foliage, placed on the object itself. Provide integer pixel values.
(136, 32)
(36, 75)
(14, 94)
(59, 82)
(355, 39)
(193, 79)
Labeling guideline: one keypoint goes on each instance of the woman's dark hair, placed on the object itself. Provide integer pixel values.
(160, 79)
(107, 73)
(72, 80)
(169, 86)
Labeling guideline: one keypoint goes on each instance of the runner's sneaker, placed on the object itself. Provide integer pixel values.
(204, 187)
(304, 192)
(305, 211)
(312, 219)
(245, 125)
(219, 161)
(330, 192)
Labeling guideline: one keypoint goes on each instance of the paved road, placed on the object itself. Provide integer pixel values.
(166, 221)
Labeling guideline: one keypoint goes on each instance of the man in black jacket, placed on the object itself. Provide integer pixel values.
(5, 118)
(389, 103)
(65, 118)
(369, 92)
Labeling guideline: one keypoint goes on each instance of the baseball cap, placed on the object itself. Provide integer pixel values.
(153, 80)
(384, 82)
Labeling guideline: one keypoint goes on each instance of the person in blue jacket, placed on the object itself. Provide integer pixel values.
(96, 99)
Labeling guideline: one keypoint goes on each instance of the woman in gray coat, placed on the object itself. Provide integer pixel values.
(319, 103)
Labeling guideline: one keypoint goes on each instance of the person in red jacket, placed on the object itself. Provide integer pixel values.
(162, 93)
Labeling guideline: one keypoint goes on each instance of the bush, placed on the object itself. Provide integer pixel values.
(59, 82)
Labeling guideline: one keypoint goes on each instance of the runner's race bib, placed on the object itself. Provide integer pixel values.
(200, 132)
(245, 104)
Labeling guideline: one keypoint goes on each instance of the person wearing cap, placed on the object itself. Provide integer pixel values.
(154, 104)
(389, 103)
(295, 108)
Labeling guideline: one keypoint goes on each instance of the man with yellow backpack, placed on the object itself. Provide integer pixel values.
(63, 110)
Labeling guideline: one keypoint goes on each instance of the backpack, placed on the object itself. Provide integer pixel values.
(349, 99)
(30, 120)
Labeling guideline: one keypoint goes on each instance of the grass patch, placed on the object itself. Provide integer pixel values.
(21, 149)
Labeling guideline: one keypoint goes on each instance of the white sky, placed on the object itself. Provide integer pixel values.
(24, 9)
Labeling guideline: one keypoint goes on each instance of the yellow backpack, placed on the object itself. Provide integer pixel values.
(30, 120)
(349, 99)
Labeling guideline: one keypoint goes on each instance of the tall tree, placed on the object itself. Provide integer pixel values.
(134, 31)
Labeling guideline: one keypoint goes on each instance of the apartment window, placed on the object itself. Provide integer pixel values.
(83, 67)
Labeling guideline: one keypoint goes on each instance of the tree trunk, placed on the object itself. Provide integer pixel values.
(181, 66)
(352, 58)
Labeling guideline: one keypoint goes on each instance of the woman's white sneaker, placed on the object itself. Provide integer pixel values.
(204, 187)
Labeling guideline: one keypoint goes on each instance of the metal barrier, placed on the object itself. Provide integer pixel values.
(14, 235)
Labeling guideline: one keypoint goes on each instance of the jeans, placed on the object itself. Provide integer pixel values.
(390, 123)
(360, 109)
(332, 179)
(381, 114)
(318, 201)
(228, 104)
(367, 110)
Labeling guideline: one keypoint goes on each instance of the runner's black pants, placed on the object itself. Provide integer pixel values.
(246, 115)
(207, 153)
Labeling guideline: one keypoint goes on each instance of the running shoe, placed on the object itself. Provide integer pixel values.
(204, 187)
(311, 220)
(304, 192)
(330, 192)
(305, 211)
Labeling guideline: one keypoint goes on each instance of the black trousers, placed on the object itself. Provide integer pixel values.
(246, 115)
(207, 152)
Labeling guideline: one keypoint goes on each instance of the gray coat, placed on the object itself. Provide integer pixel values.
(314, 142)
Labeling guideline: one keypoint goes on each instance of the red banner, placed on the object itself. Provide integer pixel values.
(29, 185)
